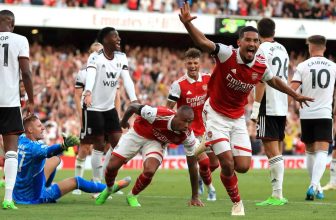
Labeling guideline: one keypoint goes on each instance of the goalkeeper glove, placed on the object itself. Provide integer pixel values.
(69, 141)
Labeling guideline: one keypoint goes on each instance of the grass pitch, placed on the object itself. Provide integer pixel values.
(167, 196)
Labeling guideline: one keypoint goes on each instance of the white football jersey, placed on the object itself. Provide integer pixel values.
(317, 76)
(274, 102)
(12, 47)
(107, 79)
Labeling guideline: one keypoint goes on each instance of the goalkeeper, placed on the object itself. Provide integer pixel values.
(37, 168)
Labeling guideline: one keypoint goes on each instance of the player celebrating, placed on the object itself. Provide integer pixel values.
(85, 143)
(153, 129)
(317, 79)
(272, 106)
(36, 173)
(191, 89)
(14, 50)
(236, 73)
(104, 68)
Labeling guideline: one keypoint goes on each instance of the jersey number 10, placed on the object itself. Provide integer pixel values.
(5, 46)
(319, 78)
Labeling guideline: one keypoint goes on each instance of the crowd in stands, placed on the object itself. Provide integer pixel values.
(152, 69)
(308, 9)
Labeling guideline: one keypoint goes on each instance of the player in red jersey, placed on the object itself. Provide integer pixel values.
(191, 89)
(236, 73)
(153, 129)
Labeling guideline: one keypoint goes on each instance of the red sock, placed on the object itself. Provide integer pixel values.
(142, 182)
(110, 176)
(213, 167)
(204, 171)
(231, 185)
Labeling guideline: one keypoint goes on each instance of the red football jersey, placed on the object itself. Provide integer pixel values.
(232, 80)
(155, 124)
(187, 91)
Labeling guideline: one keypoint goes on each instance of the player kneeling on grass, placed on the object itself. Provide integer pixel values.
(153, 129)
(36, 172)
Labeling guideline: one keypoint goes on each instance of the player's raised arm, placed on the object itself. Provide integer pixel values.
(196, 35)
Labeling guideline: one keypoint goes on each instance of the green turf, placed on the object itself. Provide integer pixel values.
(167, 196)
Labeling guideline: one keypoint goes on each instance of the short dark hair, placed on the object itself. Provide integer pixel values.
(185, 108)
(266, 27)
(103, 32)
(317, 40)
(247, 29)
(192, 53)
(7, 13)
(28, 119)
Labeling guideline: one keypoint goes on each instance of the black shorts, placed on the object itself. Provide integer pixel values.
(316, 130)
(271, 127)
(11, 120)
(100, 123)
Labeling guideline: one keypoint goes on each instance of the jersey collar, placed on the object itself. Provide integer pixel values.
(191, 80)
(240, 60)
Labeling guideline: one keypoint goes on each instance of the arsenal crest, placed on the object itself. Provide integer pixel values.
(209, 134)
(254, 76)
(205, 87)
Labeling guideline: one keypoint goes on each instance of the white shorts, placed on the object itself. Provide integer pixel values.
(130, 144)
(225, 133)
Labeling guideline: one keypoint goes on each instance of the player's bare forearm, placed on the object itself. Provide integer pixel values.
(28, 84)
(259, 91)
(278, 84)
(196, 35)
(132, 108)
(193, 174)
(170, 104)
(199, 38)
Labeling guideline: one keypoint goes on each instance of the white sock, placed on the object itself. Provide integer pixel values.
(107, 158)
(277, 170)
(310, 163)
(333, 171)
(97, 165)
(210, 187)
(10, 170)
(319, 167)
(79, 166)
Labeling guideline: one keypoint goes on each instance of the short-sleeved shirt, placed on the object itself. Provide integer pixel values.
(155, 124)
(187, 91)
(12, 47)
(107, 78)
(232, 80)
(317, 77)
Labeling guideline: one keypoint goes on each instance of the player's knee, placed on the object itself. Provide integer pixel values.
(149, 172)
(227, 164)
(11, 154)
(242, 168)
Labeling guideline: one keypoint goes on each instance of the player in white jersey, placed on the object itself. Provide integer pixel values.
(270, 108)
(85, 145)
(104, 68)
(317, 79)
(14, 56)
